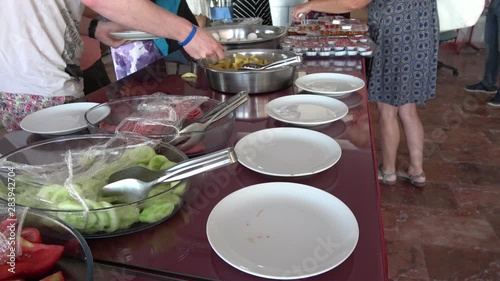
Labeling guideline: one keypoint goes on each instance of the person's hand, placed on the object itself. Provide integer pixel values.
(300, 11)
(104, 30)
(203, 45)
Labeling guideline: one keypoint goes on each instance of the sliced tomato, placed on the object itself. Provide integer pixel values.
(107, 127)
(194, 114)
(58, 276)
(196, 149)
(6, 273)
(31, 234)
(37, 259)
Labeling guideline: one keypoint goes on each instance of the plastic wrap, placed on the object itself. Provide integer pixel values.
(158, 115)
(73, 183)
(11, 223)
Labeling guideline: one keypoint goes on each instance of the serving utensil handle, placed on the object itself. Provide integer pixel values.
(198, 165)
(238, 97)
(280, 63)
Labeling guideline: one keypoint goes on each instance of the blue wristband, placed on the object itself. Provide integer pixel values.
(190, 36)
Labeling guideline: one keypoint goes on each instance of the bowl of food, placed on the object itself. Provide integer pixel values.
(49, 249)
(63, 177)
(227, 75)
(160, 117)
(248, 36)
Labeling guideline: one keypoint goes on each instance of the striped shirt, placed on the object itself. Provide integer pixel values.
(253, 9)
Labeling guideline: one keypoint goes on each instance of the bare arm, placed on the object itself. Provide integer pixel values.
(89, 13)
(146, 16)
(102, 32)
(328, 6)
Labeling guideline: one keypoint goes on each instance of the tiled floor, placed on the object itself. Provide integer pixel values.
(449, 230)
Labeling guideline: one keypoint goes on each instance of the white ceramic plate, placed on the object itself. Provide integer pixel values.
(329, 83)
(58, 120)
(282, 230)
(289, 152)
(134, 35)
(306, 110)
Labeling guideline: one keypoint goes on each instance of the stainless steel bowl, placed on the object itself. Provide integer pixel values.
(269, 36)
(252, 81)
(237, 21)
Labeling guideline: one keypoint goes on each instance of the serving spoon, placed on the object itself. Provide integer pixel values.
(193, 133)
(134, 183)
(276, 64)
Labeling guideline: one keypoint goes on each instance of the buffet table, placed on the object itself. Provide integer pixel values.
(178, 249)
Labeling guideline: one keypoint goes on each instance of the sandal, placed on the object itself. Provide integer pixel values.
(382, 177)
(412, 179)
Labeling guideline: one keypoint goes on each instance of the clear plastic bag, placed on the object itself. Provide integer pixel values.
(11, 222)
(71, 185)
(160, 115)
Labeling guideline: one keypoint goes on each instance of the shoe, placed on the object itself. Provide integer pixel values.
(382, 177)
(494, 102)
(402, 176)
(480, 88)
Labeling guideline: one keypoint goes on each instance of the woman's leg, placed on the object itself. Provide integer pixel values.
(389, 137)
(414, 133)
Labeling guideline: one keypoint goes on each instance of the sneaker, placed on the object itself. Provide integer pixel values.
(480, 88)
(494, 102)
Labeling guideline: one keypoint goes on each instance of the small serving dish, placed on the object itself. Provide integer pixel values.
(257, 36)
(108, 117)
(366, 53)
(352, 52)
(340, 53)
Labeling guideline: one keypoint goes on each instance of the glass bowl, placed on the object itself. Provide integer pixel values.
(76, 263)
(104, 218)
(102, 119)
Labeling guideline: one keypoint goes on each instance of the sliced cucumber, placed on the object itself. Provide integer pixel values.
(156, 212)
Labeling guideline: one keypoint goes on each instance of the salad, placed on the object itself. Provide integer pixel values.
(80, 204)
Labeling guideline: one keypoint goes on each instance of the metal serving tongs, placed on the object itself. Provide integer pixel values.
(193, 133)
(284, 62)
(134, 183)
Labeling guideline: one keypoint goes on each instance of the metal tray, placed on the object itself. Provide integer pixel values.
(269, 36)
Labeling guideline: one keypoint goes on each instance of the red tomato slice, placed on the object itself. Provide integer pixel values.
(196, 149)
(5, 274)
(37, 259)
(58, 276)
(31, 234)
(193, 114)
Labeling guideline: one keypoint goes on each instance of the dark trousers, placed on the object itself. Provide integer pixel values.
(491, 40)
(95, 77)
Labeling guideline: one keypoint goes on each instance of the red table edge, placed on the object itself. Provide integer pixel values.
(375, 170)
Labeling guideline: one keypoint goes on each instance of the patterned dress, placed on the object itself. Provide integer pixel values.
(404, 64)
